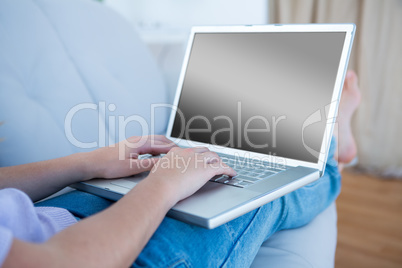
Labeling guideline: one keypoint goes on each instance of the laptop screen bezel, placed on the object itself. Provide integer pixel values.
(331, 109)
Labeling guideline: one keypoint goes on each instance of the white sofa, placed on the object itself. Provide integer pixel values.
(65, 65)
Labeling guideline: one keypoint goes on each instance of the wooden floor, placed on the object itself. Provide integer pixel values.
(369, 222)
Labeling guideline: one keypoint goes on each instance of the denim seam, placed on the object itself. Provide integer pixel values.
(180, 261)
(230, 230)
(237, 240)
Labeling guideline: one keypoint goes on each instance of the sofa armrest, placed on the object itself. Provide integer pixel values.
(312, 245)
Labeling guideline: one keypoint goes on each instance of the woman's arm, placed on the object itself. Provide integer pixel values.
(115, 237)
(42, 179)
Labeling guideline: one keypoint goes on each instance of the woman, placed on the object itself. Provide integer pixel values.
(116, 236)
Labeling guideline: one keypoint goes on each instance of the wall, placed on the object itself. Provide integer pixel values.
(165, 25)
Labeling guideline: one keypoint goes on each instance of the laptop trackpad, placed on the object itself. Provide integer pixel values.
(214, 198)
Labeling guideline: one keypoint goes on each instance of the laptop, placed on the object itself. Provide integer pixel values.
(264, 98)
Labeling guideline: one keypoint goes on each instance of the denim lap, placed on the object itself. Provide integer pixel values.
(236, 243)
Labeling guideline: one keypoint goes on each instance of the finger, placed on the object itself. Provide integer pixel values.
(146, 137)
(159, 138)
(156, 147)
(200, 149)
(221, 168)
(176, 149)
(211, 157)
(136, 142)
(197, 150)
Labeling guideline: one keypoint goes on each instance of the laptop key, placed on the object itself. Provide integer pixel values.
(244, 184)
(252, 174)
(234, 180)
(223, 179)
(242, 172)
(247, 173)
(242, 177)
(215, 178)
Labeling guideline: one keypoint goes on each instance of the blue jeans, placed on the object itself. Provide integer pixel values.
(234, 244)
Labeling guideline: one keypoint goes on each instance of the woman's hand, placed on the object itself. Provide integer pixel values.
(121, 159)
(184, 171)
(116, 236)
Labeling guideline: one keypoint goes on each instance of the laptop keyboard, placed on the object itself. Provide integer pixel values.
(248, 172)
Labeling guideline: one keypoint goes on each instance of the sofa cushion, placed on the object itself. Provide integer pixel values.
(69, 69)
(69, 72)
(312, 245)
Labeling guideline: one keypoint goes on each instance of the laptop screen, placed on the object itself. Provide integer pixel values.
(259, 92)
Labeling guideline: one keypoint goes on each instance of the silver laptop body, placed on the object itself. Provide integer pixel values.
(265, 98)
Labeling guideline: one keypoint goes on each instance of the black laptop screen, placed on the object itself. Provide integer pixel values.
(260, 92)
